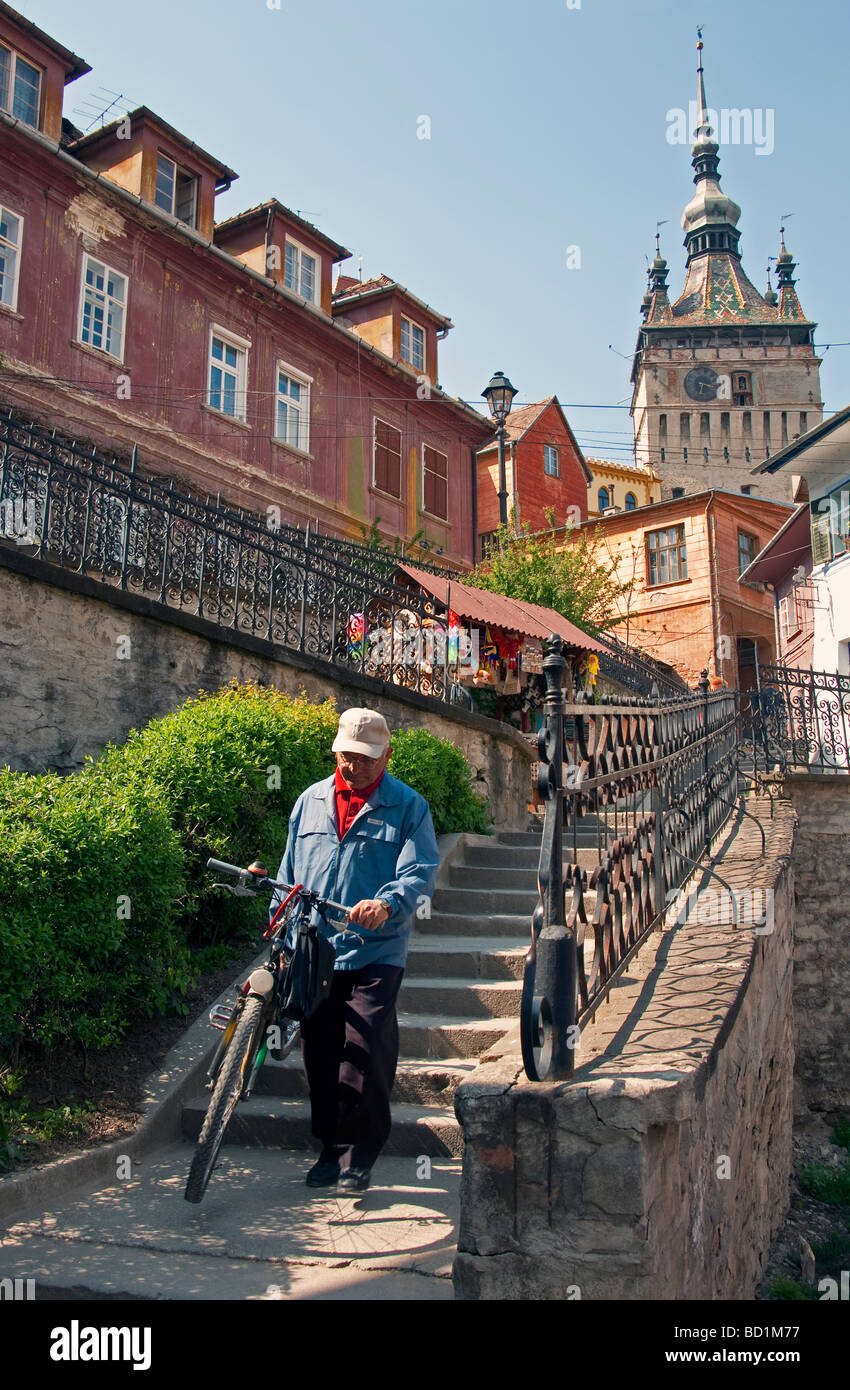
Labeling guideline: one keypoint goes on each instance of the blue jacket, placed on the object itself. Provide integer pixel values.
(389, 851)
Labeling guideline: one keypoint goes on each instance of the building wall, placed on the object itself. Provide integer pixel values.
(684, 621)
(831, 637)
(527, 480)
(156, 396)
(619, 482)
(784, 379)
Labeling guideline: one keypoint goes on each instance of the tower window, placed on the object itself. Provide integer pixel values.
(724, 423)
(748, 424)
(784, 427)
(685, 428)
(603, 499)
(804, 421)
(662, 427)
(705, 425)
(742, 388)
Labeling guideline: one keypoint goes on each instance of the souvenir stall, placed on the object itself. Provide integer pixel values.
(494, 650)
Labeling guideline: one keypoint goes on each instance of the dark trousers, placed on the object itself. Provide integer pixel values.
(350, 1052)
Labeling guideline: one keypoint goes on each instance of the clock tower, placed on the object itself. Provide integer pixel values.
(723, 376)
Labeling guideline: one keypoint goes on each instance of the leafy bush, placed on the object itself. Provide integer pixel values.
(89, 877)
(107, 904)
(437, 769)
(827, 1184)
(231, 767)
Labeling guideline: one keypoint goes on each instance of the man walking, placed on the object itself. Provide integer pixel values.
(363, 838)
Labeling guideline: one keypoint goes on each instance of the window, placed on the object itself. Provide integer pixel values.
(631, 502)
(10, 248)
(746, 488)
(487, 542)
(804, 421)
(685, 428)
(789, 616)
(20, 87)
(603, 499)
(677, 491)
(666, 555)
(830, 522)
(387, 458)
(742, 388)
(413, 344)
(228, 373)
(435, 482)
(748, 549)
(176, 191)
(292, 408)
(301, 272)
(550, 460)
(102, 306)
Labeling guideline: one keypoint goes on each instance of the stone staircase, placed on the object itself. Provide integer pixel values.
(459, 1003)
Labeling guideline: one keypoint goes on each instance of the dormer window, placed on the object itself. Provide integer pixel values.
(176, 191)
(413, 344)
(301, 272)
(20, 87)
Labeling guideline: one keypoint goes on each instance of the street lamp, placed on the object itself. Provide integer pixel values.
(499, 395)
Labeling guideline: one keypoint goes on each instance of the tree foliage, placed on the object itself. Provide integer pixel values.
(566, 571)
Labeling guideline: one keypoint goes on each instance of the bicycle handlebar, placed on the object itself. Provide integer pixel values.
(220, 867)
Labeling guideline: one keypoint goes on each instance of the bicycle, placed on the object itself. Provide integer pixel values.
(266, 1018)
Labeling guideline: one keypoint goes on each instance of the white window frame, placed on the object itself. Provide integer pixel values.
(376, 420)
(12, 302)
(305, 382)
(242, 347)
(436, 515)
(417, 366)
(14, 56)
(551, 449)
(108, 300)
(790, 621)
(187, 174)
(314, 256)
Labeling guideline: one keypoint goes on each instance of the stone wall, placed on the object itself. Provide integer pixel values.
(660, 1170)
(822, 943)
(80, 666)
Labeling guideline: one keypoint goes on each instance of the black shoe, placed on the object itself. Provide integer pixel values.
(354, 1180)
(324, 1172)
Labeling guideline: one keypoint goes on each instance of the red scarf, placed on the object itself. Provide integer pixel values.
(349, 801)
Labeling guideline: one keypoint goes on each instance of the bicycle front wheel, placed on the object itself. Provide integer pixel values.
(228, 1088)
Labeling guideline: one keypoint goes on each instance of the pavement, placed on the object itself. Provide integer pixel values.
(259, 1233)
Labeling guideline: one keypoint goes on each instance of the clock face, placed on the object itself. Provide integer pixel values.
(701, 383)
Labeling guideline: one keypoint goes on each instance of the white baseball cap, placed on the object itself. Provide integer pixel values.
(362, 731)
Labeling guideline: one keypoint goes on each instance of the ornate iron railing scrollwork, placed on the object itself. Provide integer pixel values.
(657, 779)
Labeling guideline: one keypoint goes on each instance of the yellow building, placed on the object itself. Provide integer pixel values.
(626, 486)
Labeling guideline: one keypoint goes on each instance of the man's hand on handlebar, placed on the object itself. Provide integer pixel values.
(369, 913)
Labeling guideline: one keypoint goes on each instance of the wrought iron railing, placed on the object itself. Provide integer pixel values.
(797, 720)
(307, 592)
(658, 778)
(329, 599)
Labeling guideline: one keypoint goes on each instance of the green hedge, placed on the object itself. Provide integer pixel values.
(437, 769)
(107, 906)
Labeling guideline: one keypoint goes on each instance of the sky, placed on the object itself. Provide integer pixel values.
(507, 163)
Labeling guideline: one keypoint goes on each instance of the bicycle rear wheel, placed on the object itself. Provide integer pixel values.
(228, 1088)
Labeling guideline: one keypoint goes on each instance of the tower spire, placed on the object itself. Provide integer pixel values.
(710, 221)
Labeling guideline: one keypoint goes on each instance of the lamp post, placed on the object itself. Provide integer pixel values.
(499, 395)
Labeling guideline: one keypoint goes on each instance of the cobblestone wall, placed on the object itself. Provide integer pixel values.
(660, 1170)
(77, 672)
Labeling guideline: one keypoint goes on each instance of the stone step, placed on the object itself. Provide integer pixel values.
(418, 1081)
(496, 878)
(278, 1122)
(512, 927)
(483, 958)
(586, 836)
(443, 1037)
(524, 856)
(461, 998)
(476, 902)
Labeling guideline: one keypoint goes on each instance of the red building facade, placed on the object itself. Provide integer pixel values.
(128, 317)
(544, 469)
